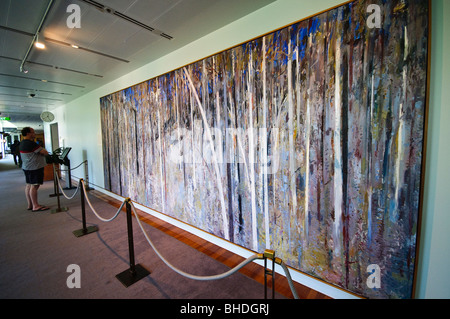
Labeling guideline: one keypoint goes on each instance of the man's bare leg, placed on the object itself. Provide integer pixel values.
(34, 196)
(28, 196)
(31, 192)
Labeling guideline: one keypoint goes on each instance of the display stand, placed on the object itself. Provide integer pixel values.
(65, 161)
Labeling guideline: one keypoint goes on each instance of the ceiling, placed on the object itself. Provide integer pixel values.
(113, 37)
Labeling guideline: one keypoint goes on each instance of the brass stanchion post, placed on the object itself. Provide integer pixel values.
(269, 254)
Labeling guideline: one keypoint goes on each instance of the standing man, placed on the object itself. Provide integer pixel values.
(33, 163)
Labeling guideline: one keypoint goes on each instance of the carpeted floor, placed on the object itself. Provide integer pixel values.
(36, 249)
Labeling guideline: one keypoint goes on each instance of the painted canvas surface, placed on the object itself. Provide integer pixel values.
(307, 141)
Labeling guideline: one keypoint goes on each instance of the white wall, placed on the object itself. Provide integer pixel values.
(80, 128)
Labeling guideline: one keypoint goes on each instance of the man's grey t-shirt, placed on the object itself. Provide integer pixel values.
(31, 158)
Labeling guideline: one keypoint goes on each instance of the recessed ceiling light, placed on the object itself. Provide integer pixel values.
(74, 46)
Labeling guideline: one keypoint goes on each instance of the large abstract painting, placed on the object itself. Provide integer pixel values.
(308, 141)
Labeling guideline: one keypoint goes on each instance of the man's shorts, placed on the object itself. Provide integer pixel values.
(34, 177)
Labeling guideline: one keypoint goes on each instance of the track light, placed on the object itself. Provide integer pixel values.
(35, 38)
(38, 44)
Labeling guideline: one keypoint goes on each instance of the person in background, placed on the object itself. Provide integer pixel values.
(15, 152)
(33, 163)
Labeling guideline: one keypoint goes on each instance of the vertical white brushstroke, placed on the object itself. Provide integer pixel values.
(161, 182)
(307, 142)
(216, 165)
(180, 147)
(308, 129)
(275, 155)
(338, 179)
(291, 133)
(193, 143)
(260, 183)
(264, 150)
(405, 54)
(400, 133)
(251, 149)
(218, 138)
(275, 141)
(297, 83)
(398, 161)
(237, 134)
(370, 190)
(400, 149)
(297, 88)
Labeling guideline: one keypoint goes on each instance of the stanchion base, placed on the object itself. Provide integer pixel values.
(127, 278)
(82, 232)
(59, 210)
(54, 195)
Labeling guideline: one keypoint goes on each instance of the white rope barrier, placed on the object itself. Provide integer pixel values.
(214, 277)
(62, 191)
(185, 274)
(289, 279)
(94, 211)
(66, 170)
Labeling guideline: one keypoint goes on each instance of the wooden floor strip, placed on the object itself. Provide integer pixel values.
(221, 254)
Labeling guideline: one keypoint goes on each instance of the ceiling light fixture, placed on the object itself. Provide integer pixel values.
(24, 60)
(38, 44)
(85, 49)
